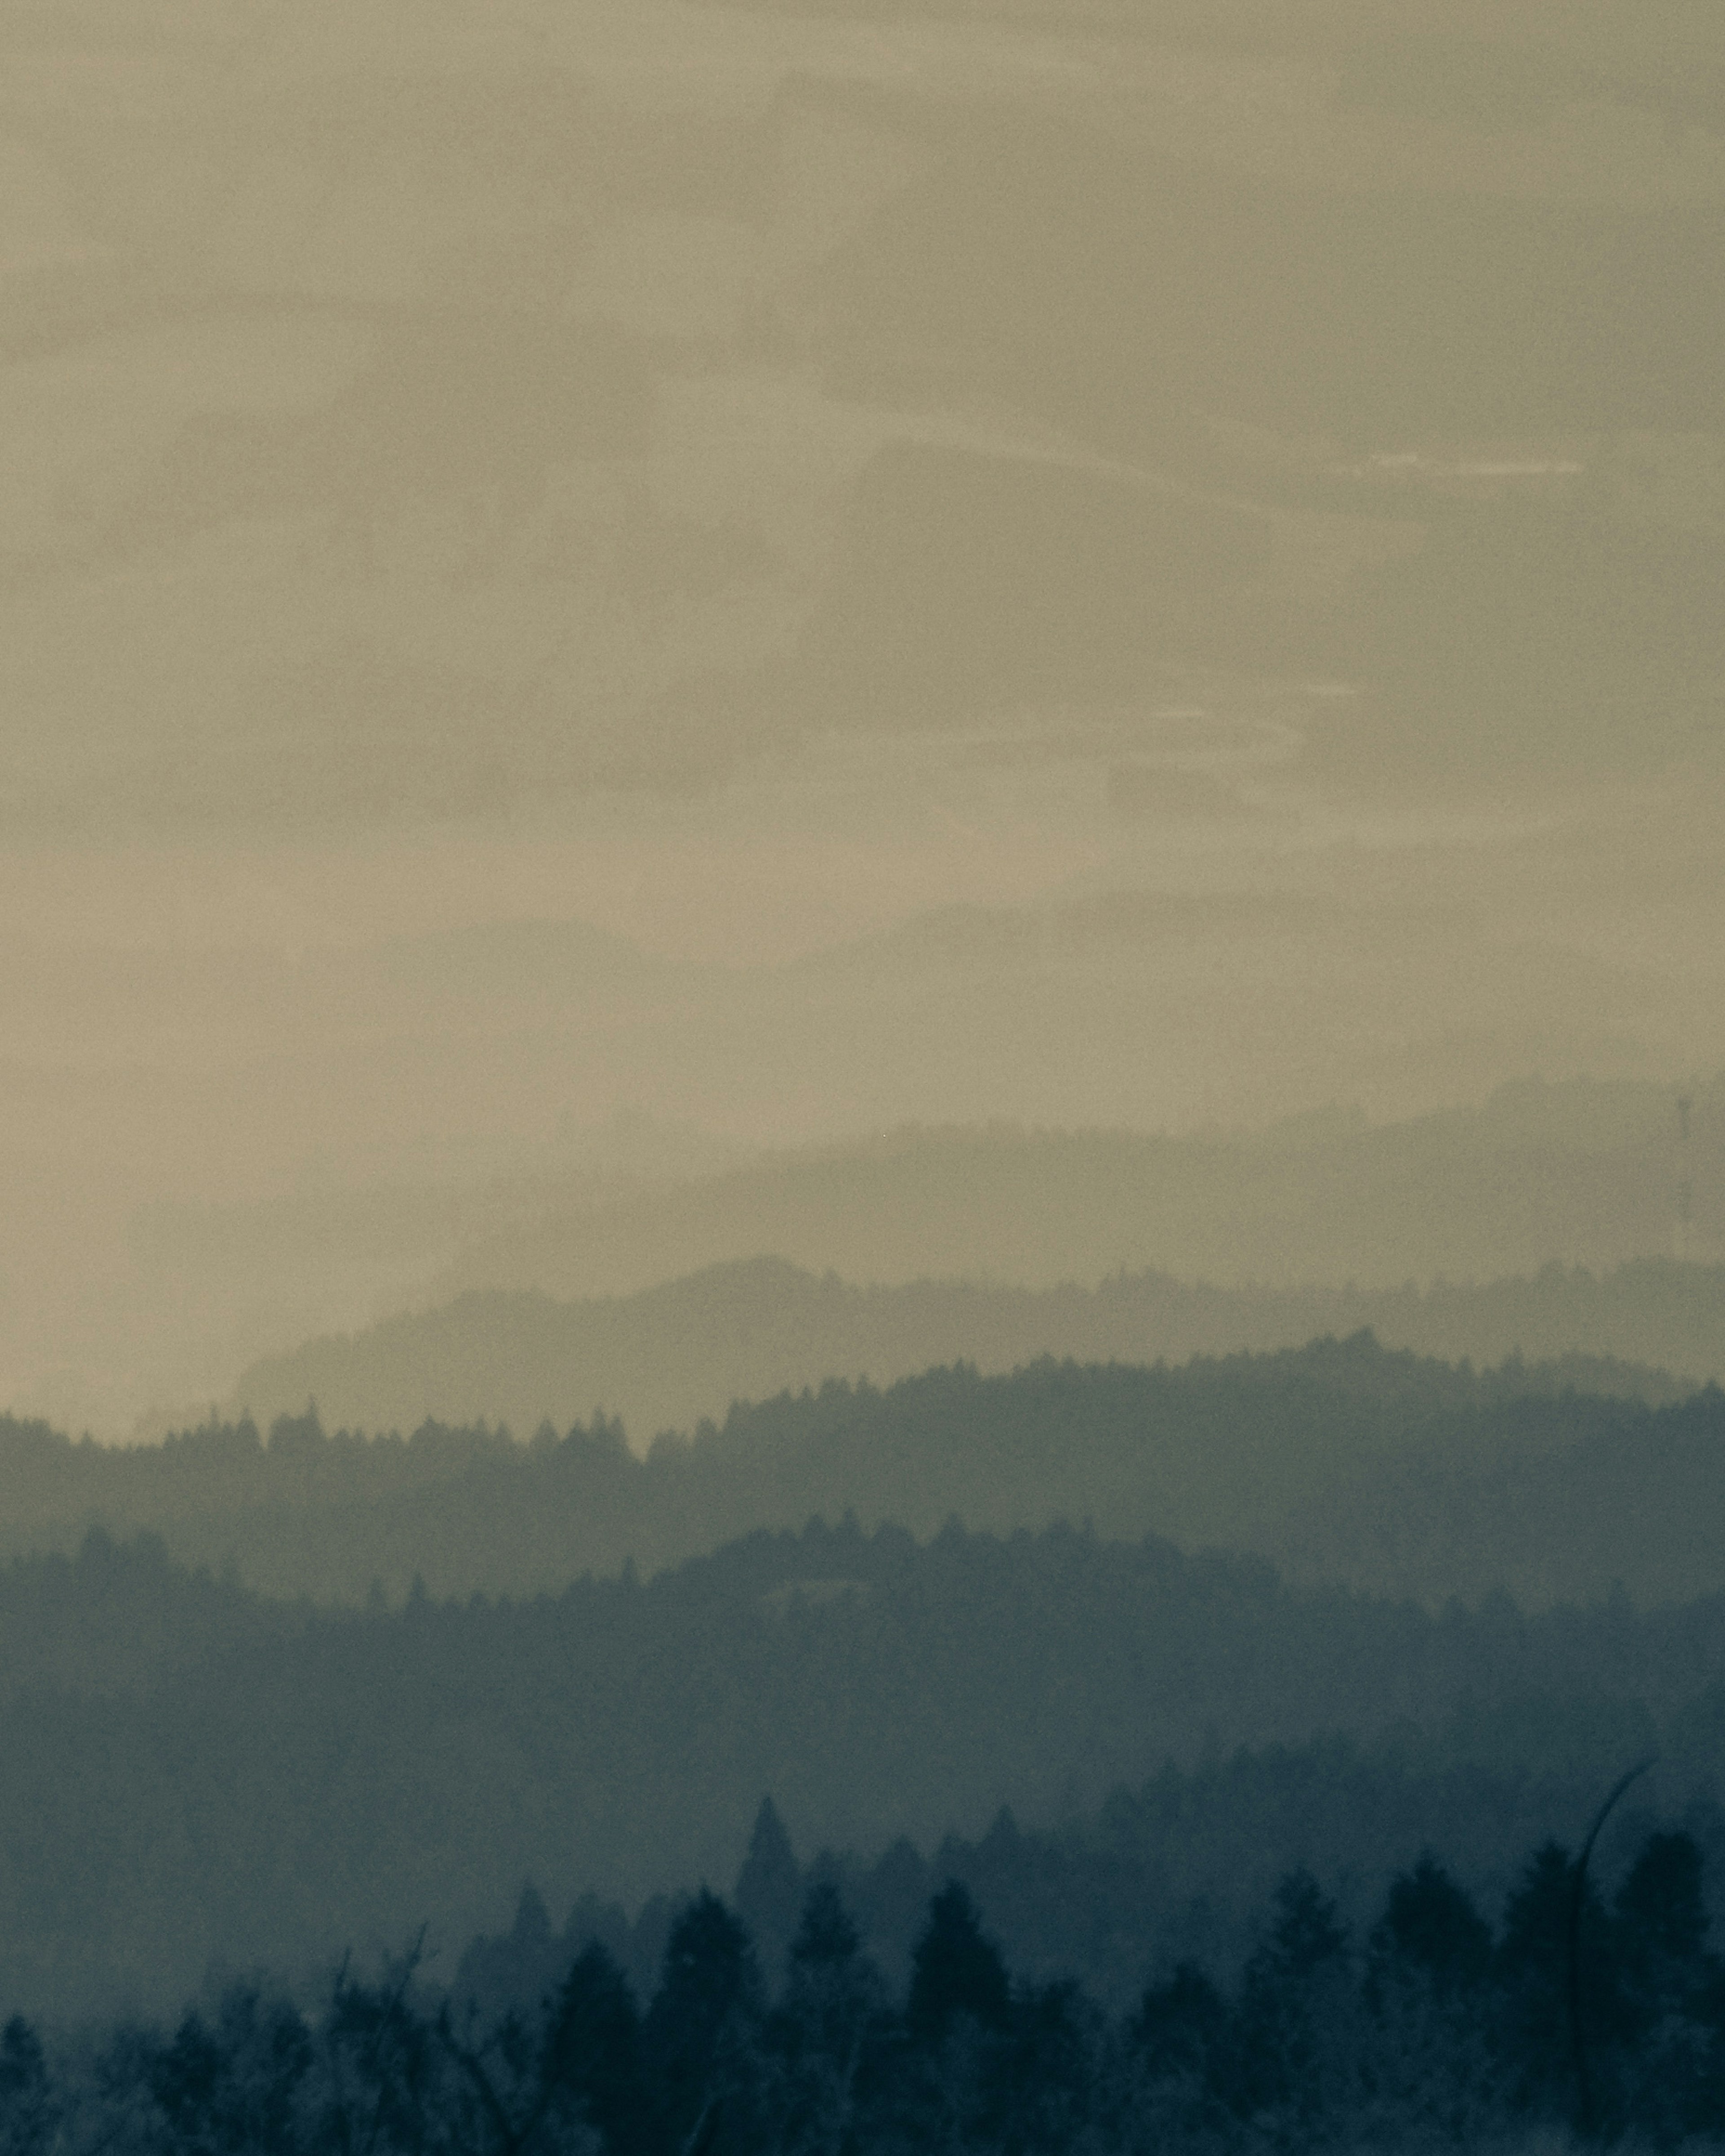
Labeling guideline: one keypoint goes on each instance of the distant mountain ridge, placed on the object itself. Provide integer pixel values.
(1583, 1172)
(1586, 1173)
(1343, 1460)
(670, 1356)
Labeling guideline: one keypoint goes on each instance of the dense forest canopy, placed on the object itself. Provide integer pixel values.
(189, 1772)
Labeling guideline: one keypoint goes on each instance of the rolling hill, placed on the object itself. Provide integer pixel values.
(668, 1356)
(1342, 1459)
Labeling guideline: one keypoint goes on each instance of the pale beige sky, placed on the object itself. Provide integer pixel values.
(797, 569)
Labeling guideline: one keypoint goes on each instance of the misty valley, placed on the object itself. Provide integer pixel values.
(862, 1077)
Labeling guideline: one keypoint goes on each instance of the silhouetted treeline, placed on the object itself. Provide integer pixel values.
(1342, 1459)
(748, 1331)
(1429, 2025)
(187, 1772)
(1177, 1869)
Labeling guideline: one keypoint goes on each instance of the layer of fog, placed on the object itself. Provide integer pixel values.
(775, 575)
(287, 1045)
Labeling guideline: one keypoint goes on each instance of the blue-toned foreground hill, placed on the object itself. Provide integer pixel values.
(189, 1773)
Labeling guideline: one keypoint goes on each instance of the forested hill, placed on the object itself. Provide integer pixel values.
(1341, 1458)
(665, 1356)
(283, 1784)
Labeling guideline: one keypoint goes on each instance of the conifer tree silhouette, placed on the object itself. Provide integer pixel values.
(701, 2026)
(955, 1970)
(769, 1887)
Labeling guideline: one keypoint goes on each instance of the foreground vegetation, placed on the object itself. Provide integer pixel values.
(1430, 2029)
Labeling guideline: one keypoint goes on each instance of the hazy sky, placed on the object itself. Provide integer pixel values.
(790, 571)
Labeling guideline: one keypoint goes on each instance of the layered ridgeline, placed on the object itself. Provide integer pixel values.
(187, 1771)
(1588, 1174)
(668, 1357)
(1343, 1460)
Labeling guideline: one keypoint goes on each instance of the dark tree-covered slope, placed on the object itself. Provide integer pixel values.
(284, 1783)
